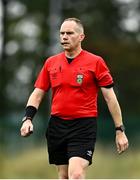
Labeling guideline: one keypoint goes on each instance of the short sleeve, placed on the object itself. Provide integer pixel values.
(43, 80)
(102, 74)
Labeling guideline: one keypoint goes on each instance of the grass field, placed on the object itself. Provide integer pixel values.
(106, 164)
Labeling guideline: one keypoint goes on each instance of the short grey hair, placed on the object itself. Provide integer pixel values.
(77, 21)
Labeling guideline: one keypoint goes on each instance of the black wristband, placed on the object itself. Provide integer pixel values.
(30, 112)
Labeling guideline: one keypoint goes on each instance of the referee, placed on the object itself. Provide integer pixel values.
(75, 77)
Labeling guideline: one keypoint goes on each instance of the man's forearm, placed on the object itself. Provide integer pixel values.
(35, 98)
(113, 105)
(115, 111)
(33, 104)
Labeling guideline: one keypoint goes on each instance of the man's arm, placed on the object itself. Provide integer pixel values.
(34, 101)
(115, 111)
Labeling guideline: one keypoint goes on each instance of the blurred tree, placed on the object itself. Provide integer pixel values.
(24, 50)
(3, 56)
(112, 29)
(28, 41)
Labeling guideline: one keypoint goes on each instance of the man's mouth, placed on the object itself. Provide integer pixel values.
(63, 43)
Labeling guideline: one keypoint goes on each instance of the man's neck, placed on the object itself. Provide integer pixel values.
(73, 54)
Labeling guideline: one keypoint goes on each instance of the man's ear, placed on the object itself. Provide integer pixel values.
(82, 36)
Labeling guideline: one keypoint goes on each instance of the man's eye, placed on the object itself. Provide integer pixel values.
(69, 33)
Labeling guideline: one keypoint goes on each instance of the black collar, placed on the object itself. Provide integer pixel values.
(70, 60)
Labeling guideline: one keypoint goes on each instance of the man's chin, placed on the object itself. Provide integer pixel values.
(67, 48)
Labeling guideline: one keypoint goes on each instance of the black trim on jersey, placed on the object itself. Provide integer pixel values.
(109, 86)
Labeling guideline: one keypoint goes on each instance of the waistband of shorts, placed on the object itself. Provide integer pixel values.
(76, 119)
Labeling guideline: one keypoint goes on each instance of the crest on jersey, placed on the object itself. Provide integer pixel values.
(80, 78)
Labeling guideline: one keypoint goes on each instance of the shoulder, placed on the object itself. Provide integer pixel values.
(93, 57)
(56, 56)
(50, 60)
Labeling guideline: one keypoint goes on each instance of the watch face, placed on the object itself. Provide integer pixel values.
(123, 128)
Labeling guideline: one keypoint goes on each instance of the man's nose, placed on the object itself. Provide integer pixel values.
(65, 36)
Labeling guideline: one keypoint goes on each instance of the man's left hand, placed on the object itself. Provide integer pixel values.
(121, 142)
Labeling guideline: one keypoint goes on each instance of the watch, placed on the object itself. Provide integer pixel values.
(120, 128)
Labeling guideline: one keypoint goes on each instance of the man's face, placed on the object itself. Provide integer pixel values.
(71, 35)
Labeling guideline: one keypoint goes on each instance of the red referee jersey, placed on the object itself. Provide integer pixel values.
(75, 85)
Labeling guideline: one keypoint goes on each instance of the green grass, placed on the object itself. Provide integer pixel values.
(109, 165)
(106, 164)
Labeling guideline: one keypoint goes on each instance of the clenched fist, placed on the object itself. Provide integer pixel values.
(26, 128)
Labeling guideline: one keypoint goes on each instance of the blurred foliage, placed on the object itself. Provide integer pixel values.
(26, 45)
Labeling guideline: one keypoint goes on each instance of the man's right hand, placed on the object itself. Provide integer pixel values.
(26, 128)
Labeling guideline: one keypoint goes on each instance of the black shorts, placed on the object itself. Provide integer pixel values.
(71, 138)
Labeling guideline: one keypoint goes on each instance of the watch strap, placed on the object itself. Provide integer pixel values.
(120, 128)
